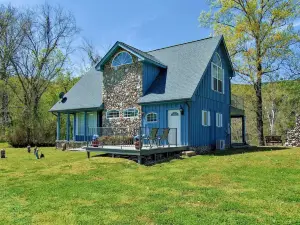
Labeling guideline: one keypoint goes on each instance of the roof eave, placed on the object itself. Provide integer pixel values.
(86, 109)
(165, 101)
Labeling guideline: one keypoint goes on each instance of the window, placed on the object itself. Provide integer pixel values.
(151, 117)
(129, 113)
(219, 120)
(122, 58)
(112, 114)
(205, 118)
(217, 74)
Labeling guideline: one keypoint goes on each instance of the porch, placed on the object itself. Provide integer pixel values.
(142, 143)
(238, 121)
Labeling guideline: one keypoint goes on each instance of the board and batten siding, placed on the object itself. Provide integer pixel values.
(207, 99)
(162, 117)
(150, 72)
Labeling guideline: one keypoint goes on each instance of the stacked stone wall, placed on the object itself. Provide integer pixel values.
(122, 88)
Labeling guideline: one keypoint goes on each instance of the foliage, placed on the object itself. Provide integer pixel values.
(282, 96)
(66, 188)
(260, 37)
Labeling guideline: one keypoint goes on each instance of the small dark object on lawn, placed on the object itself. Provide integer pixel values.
(42, 155)
(35, 149)
(36, 152)
(3, 154)
(28, 148)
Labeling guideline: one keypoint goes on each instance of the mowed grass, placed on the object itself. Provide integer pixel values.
(259, 187)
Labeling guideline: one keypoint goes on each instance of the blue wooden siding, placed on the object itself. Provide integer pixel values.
(207, 99)
(150, 72)
(162, 116)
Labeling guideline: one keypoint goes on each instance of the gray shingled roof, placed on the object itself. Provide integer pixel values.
(186, 66)
(143, 54)
(85, 94)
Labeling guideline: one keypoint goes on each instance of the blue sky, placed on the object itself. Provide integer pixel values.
(146, 25)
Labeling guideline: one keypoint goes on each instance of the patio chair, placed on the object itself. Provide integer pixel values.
(152, 138)
(164, 137)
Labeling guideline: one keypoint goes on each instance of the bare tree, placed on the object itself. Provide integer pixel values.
(11, 28)
(47, 44)
(90, 50)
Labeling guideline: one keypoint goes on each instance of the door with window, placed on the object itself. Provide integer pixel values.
(174, 121)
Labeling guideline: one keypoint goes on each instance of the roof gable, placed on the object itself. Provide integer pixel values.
(186, 65)
(85, 94)
(142, 56)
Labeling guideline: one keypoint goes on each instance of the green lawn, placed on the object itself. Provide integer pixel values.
(260, 187)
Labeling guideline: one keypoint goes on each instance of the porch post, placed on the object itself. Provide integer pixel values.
(74, 127)
(58, 127)
(244, 129)
(68, 127)
(85, 126)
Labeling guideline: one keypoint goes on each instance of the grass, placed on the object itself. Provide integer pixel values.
(259, 187)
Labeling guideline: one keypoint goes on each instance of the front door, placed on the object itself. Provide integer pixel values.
(174, 121)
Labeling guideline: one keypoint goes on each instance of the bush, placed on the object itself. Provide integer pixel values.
(116, 140)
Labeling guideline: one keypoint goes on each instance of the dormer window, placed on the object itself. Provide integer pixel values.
(217, 74)
(123, 58)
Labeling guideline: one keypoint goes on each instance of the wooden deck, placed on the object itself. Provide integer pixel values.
(131, 151)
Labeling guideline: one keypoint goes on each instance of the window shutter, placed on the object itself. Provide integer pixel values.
(217, 119)
(223, 82)
(212, 77)
(221, 120)
(202, 117)
(208, 118)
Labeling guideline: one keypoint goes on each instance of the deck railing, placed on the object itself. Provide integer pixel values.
(126, 138)
(237, 102)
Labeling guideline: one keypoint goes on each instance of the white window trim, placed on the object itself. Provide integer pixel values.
(113, 118)
(212, 78)
(219, 120)
(208, 118)
(122, 64)
(151, 121)
(130, 117)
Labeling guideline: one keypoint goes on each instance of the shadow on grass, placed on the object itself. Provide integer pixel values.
(145, 161)
(249, 150)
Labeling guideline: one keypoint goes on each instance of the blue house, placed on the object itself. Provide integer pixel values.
(185, 87)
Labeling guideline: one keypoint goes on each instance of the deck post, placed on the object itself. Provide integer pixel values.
(88, 154)
(176, 136)
(68, 127)
(58, 127)
(139, 159)
(85, 126)
(74, 127)
(244, 129)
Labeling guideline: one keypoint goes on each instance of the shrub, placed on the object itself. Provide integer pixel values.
(116, 140)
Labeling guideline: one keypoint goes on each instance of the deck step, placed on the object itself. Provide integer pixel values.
(189, 153)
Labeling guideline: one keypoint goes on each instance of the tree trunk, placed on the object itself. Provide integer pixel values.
(259, 112)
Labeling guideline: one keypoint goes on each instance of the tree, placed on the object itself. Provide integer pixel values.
(11, 37)
(259, 35)
(90, 50)
(47, 43)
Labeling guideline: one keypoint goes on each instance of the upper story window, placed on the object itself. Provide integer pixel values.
(151, 117)
(112, 114)
(129, 113)
(217, 74)
(122, 58)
